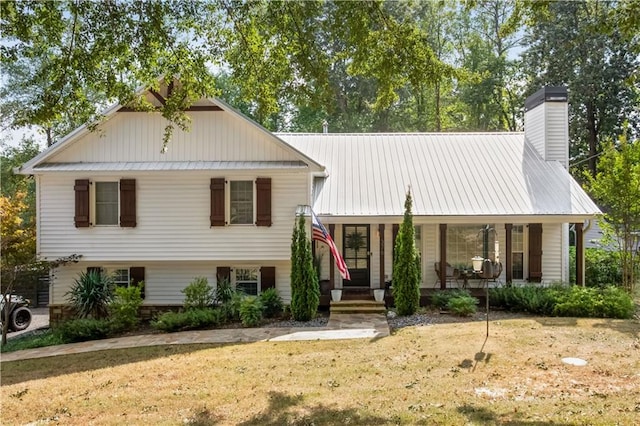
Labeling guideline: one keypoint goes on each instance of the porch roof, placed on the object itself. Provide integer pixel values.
(369, 174)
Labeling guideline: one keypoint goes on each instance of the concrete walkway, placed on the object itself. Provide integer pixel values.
(340, 326)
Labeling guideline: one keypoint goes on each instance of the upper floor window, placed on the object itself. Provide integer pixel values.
(241, 202)
(106, 201)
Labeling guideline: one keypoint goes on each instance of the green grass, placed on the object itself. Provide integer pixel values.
(441, 374)
(36, 339)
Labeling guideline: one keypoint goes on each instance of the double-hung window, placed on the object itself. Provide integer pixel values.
(241, 202)
(121, 277)
(247, 280)
(517, 252)
(106, 202)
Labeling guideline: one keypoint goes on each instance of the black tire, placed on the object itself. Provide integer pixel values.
(20, 318)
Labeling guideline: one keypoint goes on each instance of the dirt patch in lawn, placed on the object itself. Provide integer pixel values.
(440, 374)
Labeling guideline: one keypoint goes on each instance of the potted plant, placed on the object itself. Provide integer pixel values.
(336, 294)
(378, 294)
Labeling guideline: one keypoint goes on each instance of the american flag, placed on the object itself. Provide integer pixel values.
(320, 233)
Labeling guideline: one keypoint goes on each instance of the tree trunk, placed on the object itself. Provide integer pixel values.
(592, 139)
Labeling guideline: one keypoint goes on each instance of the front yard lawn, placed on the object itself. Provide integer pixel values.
(435, 374)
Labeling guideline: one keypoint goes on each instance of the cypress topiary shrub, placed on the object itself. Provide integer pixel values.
(305, 290)
(406, 265)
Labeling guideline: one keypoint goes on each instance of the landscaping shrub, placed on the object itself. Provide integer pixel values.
(463, 306)
(272, 304)
(83, 329)
(124, 308)
(602, 267)
(191, 319)
(250, 311)
(608, 302)
(224, 291)
(91, 294)
(231, 309)
(198, 294)
(532, 299)
(440, 299)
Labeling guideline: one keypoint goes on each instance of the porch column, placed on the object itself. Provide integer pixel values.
(381, 232)
(508, 258)
(332, 262)
(443, 256)
(579, 254)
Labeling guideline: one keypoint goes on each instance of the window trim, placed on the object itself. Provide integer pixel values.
(93, 202)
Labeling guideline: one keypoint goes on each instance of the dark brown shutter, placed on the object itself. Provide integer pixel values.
(267, 277)
(136, 275)
(97, 269)
(217, 202)
(263, 202)
(82, 203)
(535, 252)
(128, 203)
(223, 273)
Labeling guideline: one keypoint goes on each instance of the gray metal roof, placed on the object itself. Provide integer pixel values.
(369, 174)
(169, 165)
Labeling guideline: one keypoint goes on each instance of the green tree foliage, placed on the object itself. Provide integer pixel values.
(567, 44)
(74, 56)
(616, 186)
(305, 290)
(406, 265)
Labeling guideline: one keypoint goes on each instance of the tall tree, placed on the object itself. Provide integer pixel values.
(616, 187)
(568, 46)
(406, 265)
(491, 94)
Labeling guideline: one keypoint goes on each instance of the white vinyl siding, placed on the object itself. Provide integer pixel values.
(552, 253)
(173, 221)
(214, 136)
(165, 280)
(547, 130)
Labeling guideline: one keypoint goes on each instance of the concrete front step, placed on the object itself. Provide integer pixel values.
(358, 307)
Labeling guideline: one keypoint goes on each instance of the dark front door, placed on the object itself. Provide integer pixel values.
(356, 254)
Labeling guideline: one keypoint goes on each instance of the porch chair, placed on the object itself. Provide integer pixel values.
(452, 274)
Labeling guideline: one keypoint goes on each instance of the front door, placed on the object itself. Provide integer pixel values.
(356, 254)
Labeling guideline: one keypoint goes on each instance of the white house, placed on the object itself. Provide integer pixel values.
(221, 202)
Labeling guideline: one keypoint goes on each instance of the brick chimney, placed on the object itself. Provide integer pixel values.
(546, 123)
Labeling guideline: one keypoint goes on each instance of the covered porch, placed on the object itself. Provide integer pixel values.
(526, 252)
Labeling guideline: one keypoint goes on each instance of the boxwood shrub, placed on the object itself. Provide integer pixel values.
(576, 301)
